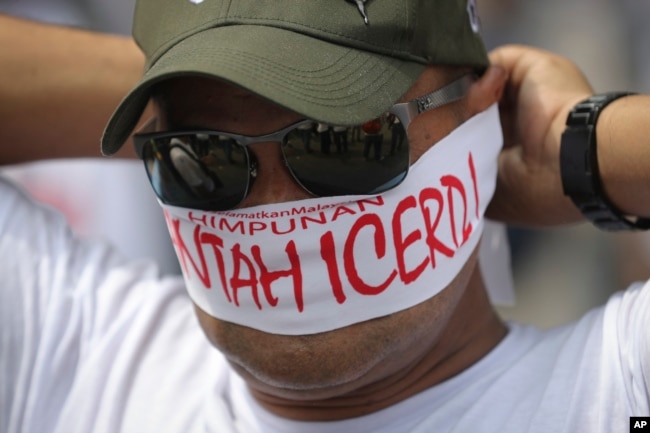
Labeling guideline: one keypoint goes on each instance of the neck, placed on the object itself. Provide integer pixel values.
(472, 330)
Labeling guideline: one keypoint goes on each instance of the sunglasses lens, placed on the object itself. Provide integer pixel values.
(330, 161)
(200, 171)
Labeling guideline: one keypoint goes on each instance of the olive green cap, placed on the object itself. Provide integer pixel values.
(319, 58)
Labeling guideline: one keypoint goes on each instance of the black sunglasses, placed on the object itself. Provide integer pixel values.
(213, 170)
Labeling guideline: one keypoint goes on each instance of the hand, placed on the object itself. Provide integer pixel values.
(542, 88)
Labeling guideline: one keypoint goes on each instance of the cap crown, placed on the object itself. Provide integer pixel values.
(424, 31)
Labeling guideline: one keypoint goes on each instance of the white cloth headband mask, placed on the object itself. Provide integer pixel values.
(320, 264)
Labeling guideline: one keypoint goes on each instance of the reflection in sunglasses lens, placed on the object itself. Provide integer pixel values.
(198, 171)
(332, 160)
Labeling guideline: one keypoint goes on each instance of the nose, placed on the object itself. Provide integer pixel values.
(274, 182)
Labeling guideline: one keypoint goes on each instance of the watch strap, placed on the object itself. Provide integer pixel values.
(579, 166)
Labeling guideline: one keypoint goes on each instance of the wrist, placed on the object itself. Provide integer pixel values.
(580, 165)
(624, 154)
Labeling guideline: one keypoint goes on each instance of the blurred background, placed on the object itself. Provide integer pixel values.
(559, 274)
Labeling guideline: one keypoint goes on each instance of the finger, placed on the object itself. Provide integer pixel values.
(488, 89)
(517, 60)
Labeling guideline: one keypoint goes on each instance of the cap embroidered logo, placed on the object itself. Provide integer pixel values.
(474, 20)
(361, 5)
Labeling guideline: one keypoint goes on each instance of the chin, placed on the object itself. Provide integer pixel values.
(300, 363)
(333, 363)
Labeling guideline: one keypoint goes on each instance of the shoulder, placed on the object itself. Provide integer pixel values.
(53, 279)
(71, 307)
(627, 328)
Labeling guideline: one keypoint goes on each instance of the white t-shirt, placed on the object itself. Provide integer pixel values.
(91, 343)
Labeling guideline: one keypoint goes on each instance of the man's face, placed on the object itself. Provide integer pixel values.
(362, 356)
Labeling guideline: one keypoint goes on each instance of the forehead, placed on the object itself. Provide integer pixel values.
(208, 102)
(205, 92)
(198, 95)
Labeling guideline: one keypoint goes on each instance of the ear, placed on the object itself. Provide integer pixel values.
(486, 90)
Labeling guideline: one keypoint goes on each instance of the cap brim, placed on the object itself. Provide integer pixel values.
(320, 80)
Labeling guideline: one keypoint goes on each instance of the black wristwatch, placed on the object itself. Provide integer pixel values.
(579, 166)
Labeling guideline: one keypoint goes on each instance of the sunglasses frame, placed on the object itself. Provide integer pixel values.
(404, 111)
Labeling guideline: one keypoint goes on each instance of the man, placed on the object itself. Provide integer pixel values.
(333, 305)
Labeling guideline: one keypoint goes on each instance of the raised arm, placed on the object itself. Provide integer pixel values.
(542, 88)
(58, 87)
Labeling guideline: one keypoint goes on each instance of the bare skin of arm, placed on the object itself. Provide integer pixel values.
(624, 153)
(541, 90)
(58, 87)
